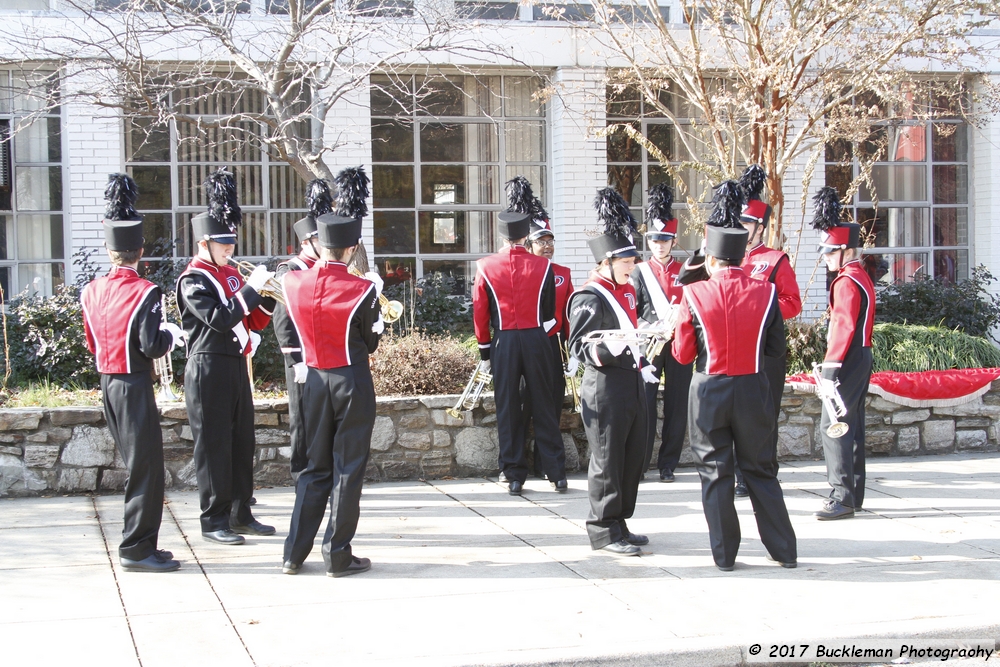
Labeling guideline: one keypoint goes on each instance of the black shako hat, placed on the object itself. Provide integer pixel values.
(618, 239)
(122, 225)
(224, 215)
(607, 246)
(726, 243)
(835, 235)
(337, 231)
(513, 226)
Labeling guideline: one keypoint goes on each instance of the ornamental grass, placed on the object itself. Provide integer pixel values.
(910, 348)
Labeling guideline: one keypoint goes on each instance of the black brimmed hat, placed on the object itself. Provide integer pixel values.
(122, 225)
(726, 243)
(521, 199)
(224, 215)
(337, 231)
(834, 234)
(513, 226)
(752, 185)
(618, 239)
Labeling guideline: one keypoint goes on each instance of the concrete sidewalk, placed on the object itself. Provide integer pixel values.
(464, 574)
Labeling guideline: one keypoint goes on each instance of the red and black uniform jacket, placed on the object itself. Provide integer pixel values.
(217, 310)
(333, 313)
(665, 276)
(284, 329)
(513, 290)
(852, 316)
(772, 265)
(730, 323)
(603, 304)
(564, 290)
(121, 318)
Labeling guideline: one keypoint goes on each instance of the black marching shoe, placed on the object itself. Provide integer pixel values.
(561, 486)
(151, 563)
(223, 536)
(637, 540)
(252, 501)
(666, 476)
(357, 566)
(726, 568)
(622, 548)
(163, 554)
(741, 491)
(255, 527)
(832, 509)
(288, 567)
(790, 564)
(515, 487)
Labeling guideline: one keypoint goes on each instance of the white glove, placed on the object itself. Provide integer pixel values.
(254, 342)
(485, 366)
(379, 326)
(301, 372)
(377, 279)
(649, 374)
(258, 277)
(178, 335)
(826, 387)
(615, 347)
(571, 367)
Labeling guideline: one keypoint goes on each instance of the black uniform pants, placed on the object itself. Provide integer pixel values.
(339, 409)
(296, 430)
(516, 354)
(845, 456)
(134, 422)
(734, 414)
(614, 418)
(677, 381)
(220, 410)
(528, 404)
(774, 369)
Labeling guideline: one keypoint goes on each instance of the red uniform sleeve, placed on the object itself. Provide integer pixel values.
(789, 298)
(258, 319)
(481, 313)
(91, 343)
(685, 345)
(846, 305)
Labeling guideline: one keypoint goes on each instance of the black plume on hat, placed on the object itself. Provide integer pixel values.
(121, 194)
(661, 199)
(223, 205)
(728, 206)
(827, 209)
(352, 192)
(613, 211)
(521, 199)
(319, 198)
(752, 182)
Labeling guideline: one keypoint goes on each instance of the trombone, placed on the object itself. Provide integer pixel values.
(570, 379)
(271, 289)
(833, 404)
(473, 391)
(391, 310)
(164, 366)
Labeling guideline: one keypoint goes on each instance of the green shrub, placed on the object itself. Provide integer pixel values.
(966, 305)
(434, 304)
(420, 363)
(908, 347)
(806, 344)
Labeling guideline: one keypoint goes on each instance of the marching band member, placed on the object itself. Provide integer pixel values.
(656, 290)
(848, 355)
(773, 266)
(514, 293)
(338, 321)
(612, 394)
(729, 323)
(541, 242)
(320, 201)
(125, 330)
(221, 316)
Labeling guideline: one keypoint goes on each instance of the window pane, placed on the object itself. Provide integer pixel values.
(250, 236)
(951, 226)
(190, 180)
(535, 175)
(466, 184)
(897, 183)
(891, 268)
(146, 142)
(392, 141)
(907, 143)
(40, 279)
(521, 96)
(288, 189)
(39, 188)
(951, 184)
(623, 102)
(459, 142)
(5, 272)
(622, 147)
(185, 246)
(838, 150)
(154, 187)
(391, 96)
(950, 142)
(441, 96)
(39, 236)
(839, 177)
(7, 240)
(663, 136)
(457, 232)
(461, 270)
(283, 238)
(396, 270)
(524, 141)
(896, 227)
(395, 231)
(627, 180)
(4, 92)
(392, 187)
(213, 144)
(951, 265)
(34, 91)
(157, 232)
(38, 142)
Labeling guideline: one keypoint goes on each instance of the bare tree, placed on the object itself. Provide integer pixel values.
(777, 81)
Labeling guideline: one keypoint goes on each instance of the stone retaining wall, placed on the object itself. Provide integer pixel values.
(69, 450)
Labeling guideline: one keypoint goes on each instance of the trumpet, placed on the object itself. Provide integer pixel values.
(164, 366)
(653, 338)
(656, 344)
(271, 289)
(570, 379)
(473, 391)
(391, 310)
(833, 404)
